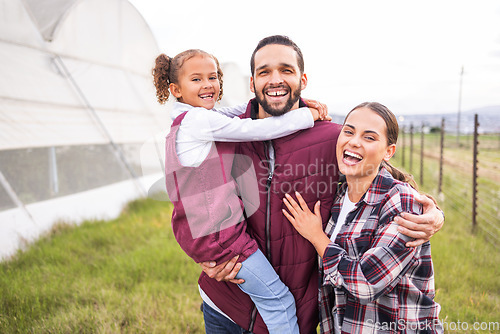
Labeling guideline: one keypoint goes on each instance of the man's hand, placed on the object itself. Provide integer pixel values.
(421, 227)
(225, 271)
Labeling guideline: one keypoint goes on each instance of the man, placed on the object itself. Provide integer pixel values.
(304, 162)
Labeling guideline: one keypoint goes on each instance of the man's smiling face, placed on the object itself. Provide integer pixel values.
(277, 81)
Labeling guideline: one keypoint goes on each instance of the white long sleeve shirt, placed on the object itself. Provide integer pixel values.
(201, 127)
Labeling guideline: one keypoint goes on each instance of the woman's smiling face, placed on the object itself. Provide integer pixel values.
(362, 144)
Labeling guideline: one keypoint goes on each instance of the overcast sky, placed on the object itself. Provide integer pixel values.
(406, 55)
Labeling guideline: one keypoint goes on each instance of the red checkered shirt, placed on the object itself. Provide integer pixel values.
(371, 282)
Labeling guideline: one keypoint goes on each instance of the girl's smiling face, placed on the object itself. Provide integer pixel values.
(362, 144)
(198, 84)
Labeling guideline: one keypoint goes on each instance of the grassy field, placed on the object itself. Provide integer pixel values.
(466, 260)
(129, 275)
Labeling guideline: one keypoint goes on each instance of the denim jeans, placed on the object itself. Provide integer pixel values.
(216, 323)
(272, 298)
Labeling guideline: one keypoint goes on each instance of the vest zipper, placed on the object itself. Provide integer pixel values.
(252, 320)
(268, 219)
(269, 147)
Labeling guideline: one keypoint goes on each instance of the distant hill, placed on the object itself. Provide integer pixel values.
(489, 120)
(490, 110)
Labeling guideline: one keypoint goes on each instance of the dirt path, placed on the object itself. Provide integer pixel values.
(487, 169)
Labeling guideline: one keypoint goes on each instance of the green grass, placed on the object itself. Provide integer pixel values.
(466, 260)
(126, 275)
(129, 275)
(466, 272)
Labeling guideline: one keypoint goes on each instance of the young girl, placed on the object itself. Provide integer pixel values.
(372, 283)
(208, 220)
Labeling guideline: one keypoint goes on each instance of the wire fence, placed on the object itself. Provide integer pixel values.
(461, 171)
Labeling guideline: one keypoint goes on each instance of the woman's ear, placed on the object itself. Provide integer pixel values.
(175, 90)
(391, 149)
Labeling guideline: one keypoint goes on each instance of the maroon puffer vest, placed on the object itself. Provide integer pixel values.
(207, 219)
(305, 162)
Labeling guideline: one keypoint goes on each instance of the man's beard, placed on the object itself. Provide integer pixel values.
(293, 97)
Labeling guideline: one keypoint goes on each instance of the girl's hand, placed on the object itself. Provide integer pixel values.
(308, 224)
(315, 113)
(318, 107)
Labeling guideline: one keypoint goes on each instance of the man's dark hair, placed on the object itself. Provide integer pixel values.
(280, 40)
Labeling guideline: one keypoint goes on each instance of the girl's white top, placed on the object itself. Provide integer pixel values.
(201, 127)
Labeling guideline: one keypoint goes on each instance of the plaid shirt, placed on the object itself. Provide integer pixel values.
(372, 282)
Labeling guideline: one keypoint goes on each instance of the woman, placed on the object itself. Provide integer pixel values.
(371, 282)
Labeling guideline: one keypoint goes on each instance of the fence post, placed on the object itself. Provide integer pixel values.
(411, 147)
(441, 152)
(474, 173)
(422, 155)
(403, 155)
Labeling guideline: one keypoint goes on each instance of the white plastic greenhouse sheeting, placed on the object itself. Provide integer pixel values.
(74, 73)
(94, 74)
(17, 229)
